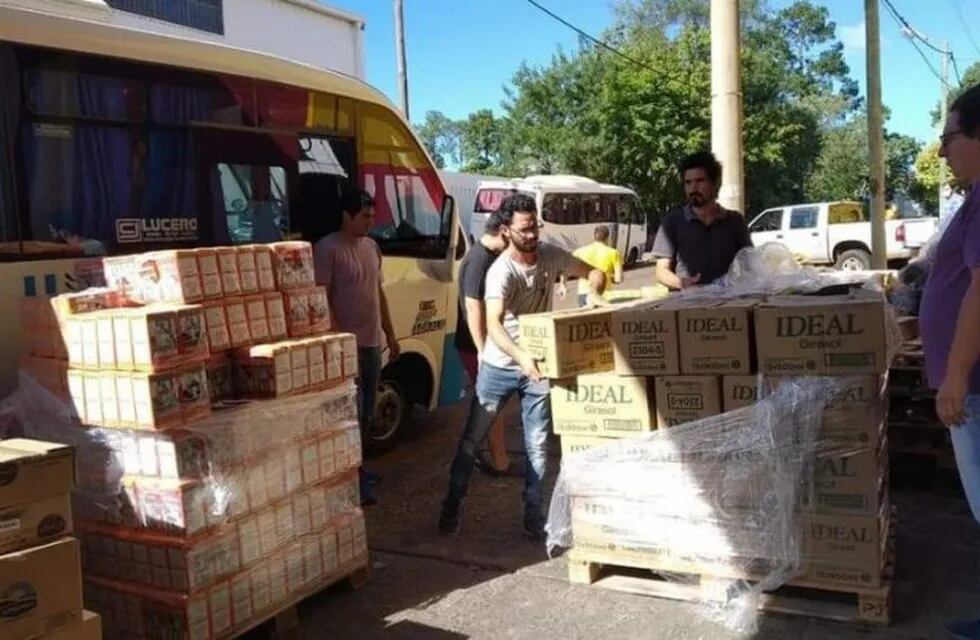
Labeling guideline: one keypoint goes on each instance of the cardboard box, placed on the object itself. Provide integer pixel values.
(247, 270)
(822, 335)
(683, 399)
(568, 343)
(33, 523)
(293, 265)
(645, 340)
(739, 392)
(264, 267)
(319, 311)
(846, 549)
(216, 326)
(231, 283)
(716, 338)
(40, 590)
(275, 311)
(576, 444)
(192, 392)
(31, 470)
(603, 404)
(221, 385)
(856, 415)
(90, 628)
(156, 397)
(258, 320)
(850, 484)
(237, 322)
(207, 262)
(297, 303)
(153, 331)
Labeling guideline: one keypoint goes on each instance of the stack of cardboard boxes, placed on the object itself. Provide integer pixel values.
(225, 419)
(40, 569)
(624, 371)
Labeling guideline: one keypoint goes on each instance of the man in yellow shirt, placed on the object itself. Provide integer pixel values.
(599, 255)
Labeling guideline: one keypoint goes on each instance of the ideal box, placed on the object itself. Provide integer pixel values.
(31, 470)
(683, 399)
(40, 590)
(568, 343)
(645, 340)
(739, 392)
(603, 404)
(714, 338)
(822, 335)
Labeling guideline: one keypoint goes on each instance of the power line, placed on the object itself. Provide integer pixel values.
(902, 22)
(956, 68)
(591, 38)
(909, 29)
(965, 25)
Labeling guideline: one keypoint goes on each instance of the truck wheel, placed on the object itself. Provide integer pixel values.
(853, 260)
(392, 411)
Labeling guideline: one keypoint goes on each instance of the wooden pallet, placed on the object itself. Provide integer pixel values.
(284, 621)
(852, 604)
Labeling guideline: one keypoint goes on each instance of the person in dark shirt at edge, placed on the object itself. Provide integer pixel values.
(696, 244)
(471, 329)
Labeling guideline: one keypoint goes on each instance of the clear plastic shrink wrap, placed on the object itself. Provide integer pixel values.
(727, 496)
(204, 529)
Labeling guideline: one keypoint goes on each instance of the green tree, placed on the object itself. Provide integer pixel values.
(480, 141)
(970, 78)
(441, 136)
(842, 170)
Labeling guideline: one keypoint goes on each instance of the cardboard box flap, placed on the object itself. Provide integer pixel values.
(24, 449)
(858, 296)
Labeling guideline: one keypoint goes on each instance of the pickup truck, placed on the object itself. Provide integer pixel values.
(837, 233)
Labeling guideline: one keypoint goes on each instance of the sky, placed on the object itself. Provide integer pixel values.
(462, 52)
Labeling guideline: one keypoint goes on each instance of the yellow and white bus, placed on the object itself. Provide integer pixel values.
(117, 141)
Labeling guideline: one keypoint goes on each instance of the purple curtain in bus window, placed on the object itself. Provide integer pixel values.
(171, 104)
(103, 184)
(169, 189)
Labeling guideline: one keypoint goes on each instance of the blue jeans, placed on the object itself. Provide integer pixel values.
(368, 379)
(494, 386)
(966, 446)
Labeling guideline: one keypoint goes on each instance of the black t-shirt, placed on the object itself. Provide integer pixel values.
(472, 284)
(695, 248)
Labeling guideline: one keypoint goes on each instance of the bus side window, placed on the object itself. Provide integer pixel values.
(552, 210)
(592, 209)
(255, 202)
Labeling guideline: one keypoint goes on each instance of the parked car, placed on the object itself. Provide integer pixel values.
(837, 233)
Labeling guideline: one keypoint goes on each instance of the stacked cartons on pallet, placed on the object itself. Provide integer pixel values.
(638, 368)
(226, 417)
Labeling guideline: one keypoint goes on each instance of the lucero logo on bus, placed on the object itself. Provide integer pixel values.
(130, 230)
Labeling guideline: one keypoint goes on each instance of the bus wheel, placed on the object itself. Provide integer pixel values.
(391, 414)
(633, 257)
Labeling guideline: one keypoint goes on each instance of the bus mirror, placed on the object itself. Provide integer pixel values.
(446, 215)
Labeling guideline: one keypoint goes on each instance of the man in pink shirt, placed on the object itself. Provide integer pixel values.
(348, 264)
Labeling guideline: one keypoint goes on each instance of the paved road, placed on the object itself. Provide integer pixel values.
(490, 582)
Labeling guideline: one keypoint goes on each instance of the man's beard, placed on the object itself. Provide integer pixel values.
(696, 199)
(525, 246)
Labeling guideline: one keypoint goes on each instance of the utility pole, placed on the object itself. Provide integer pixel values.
(876, 135)
(943, 108)
(400, 55)
(726, 102)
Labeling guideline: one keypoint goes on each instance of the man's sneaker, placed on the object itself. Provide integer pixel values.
(965, 629)
(534, 526)
(449, 518)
